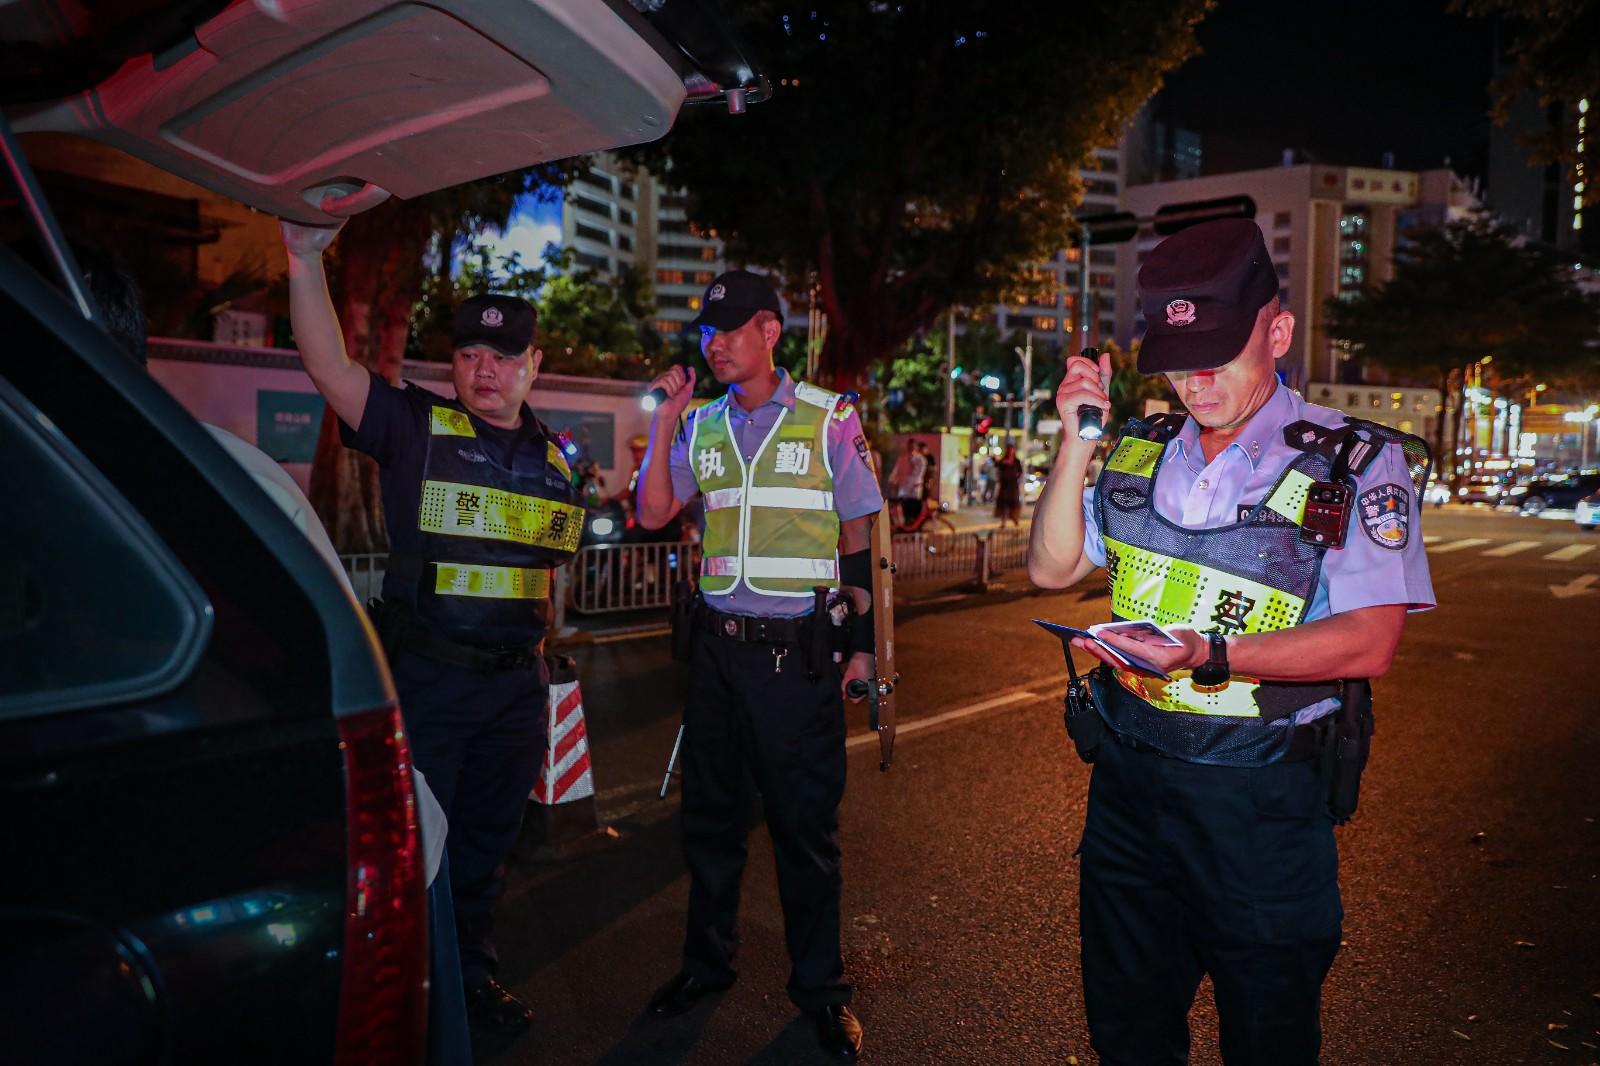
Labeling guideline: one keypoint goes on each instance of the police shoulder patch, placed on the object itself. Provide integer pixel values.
(862, 449)
(1385, 513)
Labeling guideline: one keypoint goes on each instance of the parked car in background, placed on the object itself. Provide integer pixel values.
(1558, 492)
(1587, 511)
(1481, 488)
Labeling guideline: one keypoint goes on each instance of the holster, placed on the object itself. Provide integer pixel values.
(684, 601)
(1347, 742)
(1084, 724)
(821, 634)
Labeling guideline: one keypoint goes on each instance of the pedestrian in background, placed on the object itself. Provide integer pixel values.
(479, 504)
(790, 494)
(1208, 844)
(1008, 487)
(906, 481)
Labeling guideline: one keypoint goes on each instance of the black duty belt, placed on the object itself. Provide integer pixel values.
(749, 628)
(1306, 743)
(401, 630)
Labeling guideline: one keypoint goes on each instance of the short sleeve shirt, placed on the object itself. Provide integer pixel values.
(855, 482)
(394, 431)
(1377, 565)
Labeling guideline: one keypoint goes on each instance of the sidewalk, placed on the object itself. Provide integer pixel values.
(980, 517)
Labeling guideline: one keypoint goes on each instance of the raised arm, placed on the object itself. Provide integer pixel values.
(1056, 558)
(654, 502)
(343, 384)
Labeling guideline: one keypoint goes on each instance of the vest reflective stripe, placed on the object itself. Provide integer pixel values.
(557, 458)
(448, 422)
(1289, 498)
(815, 570)
(491, 582)
(798, 499)
(770, 522)
(1135, 456)
(458, 510)
(1170, 591)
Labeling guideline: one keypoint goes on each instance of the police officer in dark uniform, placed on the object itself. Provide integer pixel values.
(1278, 541)
(479, 505)
(789, 492)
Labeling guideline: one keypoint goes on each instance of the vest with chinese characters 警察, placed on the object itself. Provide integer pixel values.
(770, 521)
(492, 527)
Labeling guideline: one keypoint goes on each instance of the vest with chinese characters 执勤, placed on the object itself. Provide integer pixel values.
(770, 521)
(492, 525)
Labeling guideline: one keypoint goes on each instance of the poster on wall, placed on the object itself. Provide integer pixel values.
(287, 424)
(594, 432)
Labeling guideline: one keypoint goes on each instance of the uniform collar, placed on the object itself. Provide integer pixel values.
(1264, 427)
(783, 395)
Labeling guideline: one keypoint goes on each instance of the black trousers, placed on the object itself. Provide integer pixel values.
(1189, 870)
(479, 740)
(753, 716)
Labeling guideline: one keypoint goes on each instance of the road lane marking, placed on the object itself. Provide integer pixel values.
(1513, 548)
(948, 716)
(1570, 552)
(1436, 538)
(1459, 545)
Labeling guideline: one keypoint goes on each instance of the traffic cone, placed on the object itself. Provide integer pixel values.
(563, 801)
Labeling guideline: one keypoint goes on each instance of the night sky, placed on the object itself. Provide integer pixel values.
(1344, 81)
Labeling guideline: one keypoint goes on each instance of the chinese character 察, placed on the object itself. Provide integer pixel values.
(1232, 609)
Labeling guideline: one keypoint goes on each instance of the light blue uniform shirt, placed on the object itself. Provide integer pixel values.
(855, 483)
(1383, 560)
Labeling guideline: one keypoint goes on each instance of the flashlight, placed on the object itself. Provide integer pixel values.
(653, 398)
(1090, 417)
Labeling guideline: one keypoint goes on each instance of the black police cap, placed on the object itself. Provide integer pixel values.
(1200, 291)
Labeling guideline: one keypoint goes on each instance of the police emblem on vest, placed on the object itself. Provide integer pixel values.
(770, 522)
(1254, 576)
(490, 533)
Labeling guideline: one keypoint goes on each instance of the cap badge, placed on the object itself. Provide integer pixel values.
(717, 292)
(1180, 313)
(493, 317)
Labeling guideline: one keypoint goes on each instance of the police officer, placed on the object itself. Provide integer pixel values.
(479, 505)
(1208, 846)
(789, 495)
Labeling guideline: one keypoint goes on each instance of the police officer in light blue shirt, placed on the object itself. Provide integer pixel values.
(1279, 542)
(789, 490)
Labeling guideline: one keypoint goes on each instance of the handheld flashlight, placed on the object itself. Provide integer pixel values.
(1090, 417)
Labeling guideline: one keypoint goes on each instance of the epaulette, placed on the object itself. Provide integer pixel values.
(1359, 442)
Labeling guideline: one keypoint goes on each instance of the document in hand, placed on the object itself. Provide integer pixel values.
(1066, 633)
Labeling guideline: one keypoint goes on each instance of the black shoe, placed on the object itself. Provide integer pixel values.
(837, 1030)
(681, 994)
(492, 1009)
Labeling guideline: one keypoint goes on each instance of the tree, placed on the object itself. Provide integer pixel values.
(377, 269)
(1465, 291)
(1554, 59)
(917, 155)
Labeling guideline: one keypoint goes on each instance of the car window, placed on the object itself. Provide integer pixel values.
(93, 607)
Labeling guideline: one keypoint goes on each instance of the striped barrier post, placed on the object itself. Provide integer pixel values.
(563, 798)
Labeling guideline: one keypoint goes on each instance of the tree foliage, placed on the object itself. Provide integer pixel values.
(1554, 59)
(1465, 291)
(917, 155)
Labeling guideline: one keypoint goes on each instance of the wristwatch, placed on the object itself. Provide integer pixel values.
(1213, 675)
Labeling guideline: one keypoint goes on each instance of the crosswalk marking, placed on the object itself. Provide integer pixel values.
(1511, 549)
(1432, 540)
(1460, 545)
(1570, 552)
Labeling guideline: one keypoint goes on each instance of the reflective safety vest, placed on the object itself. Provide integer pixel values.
(490, 533)
(770, 522)
(1253, 576)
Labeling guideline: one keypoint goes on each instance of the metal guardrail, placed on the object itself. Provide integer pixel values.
(630, 577)
(603, 578)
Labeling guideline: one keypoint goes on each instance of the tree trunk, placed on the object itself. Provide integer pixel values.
(376, 278)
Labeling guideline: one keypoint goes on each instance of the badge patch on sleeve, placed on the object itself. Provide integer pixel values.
(863, 451)
(1385, 514)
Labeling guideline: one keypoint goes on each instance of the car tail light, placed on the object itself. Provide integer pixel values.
(383, 997)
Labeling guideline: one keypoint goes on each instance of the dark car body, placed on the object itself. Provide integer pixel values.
(1551, 493)
(211, 851)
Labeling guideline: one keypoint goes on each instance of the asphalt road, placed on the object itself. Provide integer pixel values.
(1471, 875)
